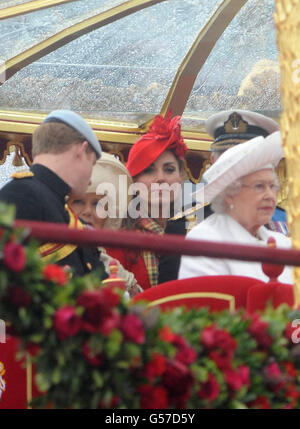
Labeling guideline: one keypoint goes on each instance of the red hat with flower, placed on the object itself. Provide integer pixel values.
(164, 134)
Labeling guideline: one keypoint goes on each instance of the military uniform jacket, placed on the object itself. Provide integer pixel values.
(42, 197)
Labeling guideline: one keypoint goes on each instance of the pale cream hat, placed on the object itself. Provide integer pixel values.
(245, 158)
(108, 170)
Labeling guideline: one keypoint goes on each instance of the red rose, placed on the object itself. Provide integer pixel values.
(293, 394)
(233, 379)
(99, 315)
(258, 330)
(111, 404)
(153, 397)
(179, 381)
(55, 273)
(93, 359)
(133, 329)
(273, 372)
(165, 334)
(261, 402)
(274, 377)
(18, 297)
(14, 257)
(244, 372)
(290, 369)
(222, 360)
(155, 367)
(66, 322)
(213, 337)
(185, 354)
(210, 389)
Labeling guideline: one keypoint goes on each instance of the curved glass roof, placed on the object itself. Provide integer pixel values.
(22, 32)
(242, 71)
(119, 63)
(123, 70)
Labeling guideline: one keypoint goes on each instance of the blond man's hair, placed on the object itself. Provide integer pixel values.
(55, 138)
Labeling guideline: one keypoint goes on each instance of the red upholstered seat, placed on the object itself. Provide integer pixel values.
(20, 388)
(274, 292)
(15, 395)
(201, 292)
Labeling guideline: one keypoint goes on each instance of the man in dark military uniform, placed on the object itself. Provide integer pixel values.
(231, 127)
(64, 149)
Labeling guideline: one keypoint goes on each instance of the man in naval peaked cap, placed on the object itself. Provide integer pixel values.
(64, 150)
(232, 127)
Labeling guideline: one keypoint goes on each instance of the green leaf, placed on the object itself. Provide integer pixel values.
(42, 382)
(98, 380)
(113, 344)
(56, 376)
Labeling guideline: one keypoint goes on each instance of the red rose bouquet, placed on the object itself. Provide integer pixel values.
(93, 349)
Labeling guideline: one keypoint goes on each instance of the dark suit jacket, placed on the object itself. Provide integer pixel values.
(42, 197)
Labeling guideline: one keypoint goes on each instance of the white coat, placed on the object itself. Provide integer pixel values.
(223, 228)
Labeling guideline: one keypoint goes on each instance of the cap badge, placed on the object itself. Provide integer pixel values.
(235, 124)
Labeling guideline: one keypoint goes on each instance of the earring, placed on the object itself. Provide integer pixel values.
(231, 206)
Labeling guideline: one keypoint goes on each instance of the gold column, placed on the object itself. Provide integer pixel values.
(287, 21)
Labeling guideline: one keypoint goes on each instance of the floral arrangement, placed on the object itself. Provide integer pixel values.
(92, 348)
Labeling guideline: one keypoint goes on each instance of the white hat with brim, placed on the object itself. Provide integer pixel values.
(254, 155)
(76, 122)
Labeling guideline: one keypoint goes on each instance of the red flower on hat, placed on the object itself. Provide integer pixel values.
(168, 129)
(164, 134)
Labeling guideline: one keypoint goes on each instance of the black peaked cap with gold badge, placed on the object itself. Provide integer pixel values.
(232, 127)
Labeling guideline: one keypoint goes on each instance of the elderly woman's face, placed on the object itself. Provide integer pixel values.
(254, 205)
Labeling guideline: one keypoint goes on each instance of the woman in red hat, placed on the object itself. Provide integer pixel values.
(155, 163)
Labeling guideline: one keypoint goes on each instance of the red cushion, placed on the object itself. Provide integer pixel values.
(15, 394)
(235, 286)
(274, 292)
(14, 397)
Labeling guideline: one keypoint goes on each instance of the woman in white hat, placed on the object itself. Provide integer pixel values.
(242, 187)
(105, 205)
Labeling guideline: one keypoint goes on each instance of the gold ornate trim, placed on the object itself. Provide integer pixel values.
(106, 131)
(7, 152)
(28, 380)
(31, 6)
(215, 295)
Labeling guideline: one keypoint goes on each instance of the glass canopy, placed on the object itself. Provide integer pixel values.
(119, 63)
(22, 32)
(242, 71)
(118, 71)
